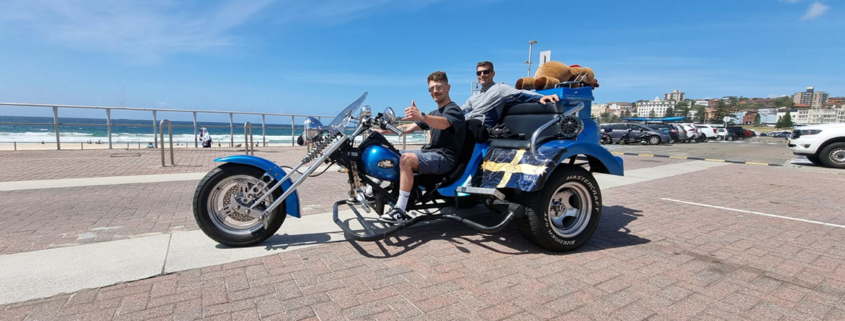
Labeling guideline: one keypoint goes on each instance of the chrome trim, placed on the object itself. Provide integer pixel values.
(539, 130)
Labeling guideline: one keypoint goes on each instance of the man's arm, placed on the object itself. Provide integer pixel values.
(405, 128)
(526, 96)
(467, 106)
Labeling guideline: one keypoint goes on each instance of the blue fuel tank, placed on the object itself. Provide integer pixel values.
(381, 163)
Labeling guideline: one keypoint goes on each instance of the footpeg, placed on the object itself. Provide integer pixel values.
(362, 199)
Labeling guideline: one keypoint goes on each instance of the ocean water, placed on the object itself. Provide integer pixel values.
(78, 130)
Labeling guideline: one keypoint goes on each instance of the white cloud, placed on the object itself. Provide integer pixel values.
(815, 10)
(143, 30)
(153, 29)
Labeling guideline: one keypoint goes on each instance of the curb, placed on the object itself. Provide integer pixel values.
(698, 158)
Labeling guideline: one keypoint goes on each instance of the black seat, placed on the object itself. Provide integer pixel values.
(523, 119)
(475, 132)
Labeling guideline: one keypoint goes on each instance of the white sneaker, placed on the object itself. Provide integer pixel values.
(394, 216)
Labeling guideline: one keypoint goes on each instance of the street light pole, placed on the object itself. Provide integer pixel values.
(530, 48)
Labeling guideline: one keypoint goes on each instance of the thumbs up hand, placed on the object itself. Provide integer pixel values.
(412, 113)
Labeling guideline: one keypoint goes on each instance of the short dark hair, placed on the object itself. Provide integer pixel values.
(485, 64)
(438, 76)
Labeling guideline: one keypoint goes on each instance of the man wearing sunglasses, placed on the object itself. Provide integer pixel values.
(488, 104)
(440, 155)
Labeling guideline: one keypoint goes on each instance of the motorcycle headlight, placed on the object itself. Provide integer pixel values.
(810, 131)
(388, 115)
(313, 129)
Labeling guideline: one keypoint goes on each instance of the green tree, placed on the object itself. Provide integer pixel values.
(779, 123)
(784, 101)
(757, 119)
(787, 120)
(604, 117)
(720, 112)
(651, 113)
(626, 114)
(701, 114)
(669, 112)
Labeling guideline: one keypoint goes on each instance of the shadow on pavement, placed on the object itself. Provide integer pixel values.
(611, 233)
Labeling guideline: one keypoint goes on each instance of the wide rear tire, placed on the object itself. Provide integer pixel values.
(213, 196)
(565, 214)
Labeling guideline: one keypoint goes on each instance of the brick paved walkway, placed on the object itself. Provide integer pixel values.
(650, 259)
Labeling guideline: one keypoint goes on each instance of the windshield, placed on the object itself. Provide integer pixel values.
(338, 125)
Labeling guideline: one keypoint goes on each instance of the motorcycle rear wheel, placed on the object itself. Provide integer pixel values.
(213, 196)
(565, 213)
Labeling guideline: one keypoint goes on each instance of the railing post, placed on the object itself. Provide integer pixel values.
(161, 131)
(155, 136)
(231, 132)
(292, 131)
(56, 126)
(108, 124)
(263, 131)
(195, 131)
(248, 139)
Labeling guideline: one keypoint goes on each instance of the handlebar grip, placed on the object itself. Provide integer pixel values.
(394, 129)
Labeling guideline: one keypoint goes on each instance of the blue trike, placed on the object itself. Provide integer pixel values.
(540, 177)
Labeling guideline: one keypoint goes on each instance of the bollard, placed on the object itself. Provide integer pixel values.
(81, 147)
(16, 145)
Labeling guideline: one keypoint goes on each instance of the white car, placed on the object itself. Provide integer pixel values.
(821, 144)
(708, 130)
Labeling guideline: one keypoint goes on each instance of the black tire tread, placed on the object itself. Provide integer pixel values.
(204, 222)
(531, 226)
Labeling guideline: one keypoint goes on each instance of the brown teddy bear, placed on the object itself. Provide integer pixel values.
(552, 73)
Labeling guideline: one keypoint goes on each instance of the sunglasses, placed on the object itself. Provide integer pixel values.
(486, 72)
(433, 88)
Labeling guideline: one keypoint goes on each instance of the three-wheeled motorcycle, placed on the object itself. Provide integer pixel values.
(540, 177)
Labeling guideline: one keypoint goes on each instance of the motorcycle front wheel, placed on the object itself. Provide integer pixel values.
(218, 192)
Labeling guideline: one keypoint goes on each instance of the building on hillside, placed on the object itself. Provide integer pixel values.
(810, 97)
(768, 115)
(619, 108)
(676, 95)
(815, 116)
(836, 100)
(702, 102)
(597, 109)
(749, 117)
(658, 106)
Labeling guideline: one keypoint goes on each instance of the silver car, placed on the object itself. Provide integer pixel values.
(617, 130)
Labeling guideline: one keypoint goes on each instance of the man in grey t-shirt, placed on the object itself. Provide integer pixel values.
(488, 104)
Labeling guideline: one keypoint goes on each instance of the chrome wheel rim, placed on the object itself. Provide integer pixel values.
(655, 140)
(224, 195)
(570, 209)
(837, 156)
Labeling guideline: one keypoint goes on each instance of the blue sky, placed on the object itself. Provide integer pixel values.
(313, 57)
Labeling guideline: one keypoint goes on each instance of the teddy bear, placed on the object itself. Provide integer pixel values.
(552, 73)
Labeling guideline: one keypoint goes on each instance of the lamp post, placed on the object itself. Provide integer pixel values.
(530, 47)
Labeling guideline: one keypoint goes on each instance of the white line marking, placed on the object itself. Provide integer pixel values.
(756, 213)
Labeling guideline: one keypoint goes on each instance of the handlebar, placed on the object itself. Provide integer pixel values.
(393, 129)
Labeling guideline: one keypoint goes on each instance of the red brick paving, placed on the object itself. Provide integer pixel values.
(649, 260)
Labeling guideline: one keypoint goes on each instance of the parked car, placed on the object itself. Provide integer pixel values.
(675, 134)
(708, 130)
(692, 132)
(821, 144)
(619, 129)
(738, 132)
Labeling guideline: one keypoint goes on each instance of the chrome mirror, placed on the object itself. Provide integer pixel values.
(313, 129)
(366, 111)
(388, 115)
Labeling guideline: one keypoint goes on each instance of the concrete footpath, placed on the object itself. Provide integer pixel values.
(44, 273)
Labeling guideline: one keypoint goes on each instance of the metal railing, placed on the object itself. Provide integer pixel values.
(161, 132)
(155, 126)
